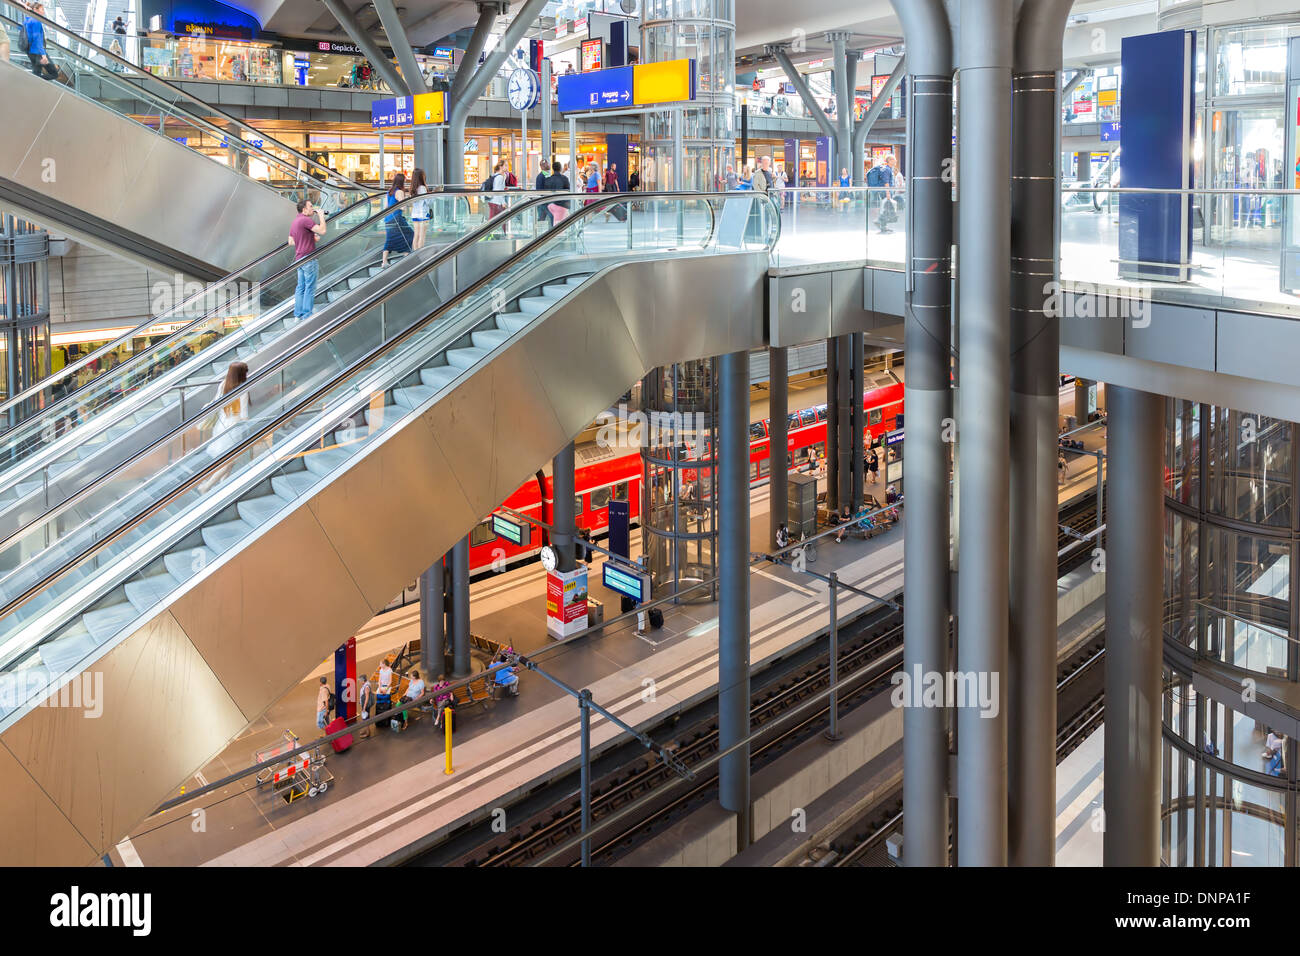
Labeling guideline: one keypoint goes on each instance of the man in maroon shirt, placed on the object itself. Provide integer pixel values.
(302, 236)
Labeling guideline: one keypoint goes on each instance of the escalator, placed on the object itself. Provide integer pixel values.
(250, 554)
(124, 161)
(74, 427)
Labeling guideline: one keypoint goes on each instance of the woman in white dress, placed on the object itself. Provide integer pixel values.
(229, 415)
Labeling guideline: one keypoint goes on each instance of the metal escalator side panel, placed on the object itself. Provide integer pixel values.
(133, 180)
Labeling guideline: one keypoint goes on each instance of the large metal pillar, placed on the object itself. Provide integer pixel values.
(433, 625)
(778, 439)
(464, 96)
(1134, 569)
(877, 107)
(857, 417)
(832, 425)
(460, 666)
(927, 336)
(366, 43)
(564, 518)
(1081, 389)
(983, 416)
(844, 420)
(546, 109)
(843, 105)
(805, 94)
(1035, 358)
(414, 79)
(733, 586)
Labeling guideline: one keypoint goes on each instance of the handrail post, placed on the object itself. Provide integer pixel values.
(584, 717)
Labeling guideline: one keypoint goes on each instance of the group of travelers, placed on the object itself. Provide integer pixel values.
(400, 236)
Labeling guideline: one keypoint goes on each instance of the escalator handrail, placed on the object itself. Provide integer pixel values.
(267, 371)
(73, 367)
(136, 77)
(595, 204)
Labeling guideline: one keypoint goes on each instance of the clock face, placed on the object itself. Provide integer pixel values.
(548, 558)
(522, 89)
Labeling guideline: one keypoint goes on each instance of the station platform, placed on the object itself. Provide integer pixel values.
(390, 790)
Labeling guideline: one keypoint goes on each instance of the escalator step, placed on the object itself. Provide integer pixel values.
(69, 649)
(412, 396)
(535, 304)
(294, 483)
(464, 358)
(183, 565)
(256, 511)
(222, 537)
(513, 321)
(104, 622)
(438, 377)
(147, 592)
(324, 462)
(488, 339)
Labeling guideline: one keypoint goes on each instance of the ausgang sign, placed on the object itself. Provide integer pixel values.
(646, 84)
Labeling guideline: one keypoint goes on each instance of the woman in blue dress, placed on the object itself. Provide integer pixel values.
(398, 234)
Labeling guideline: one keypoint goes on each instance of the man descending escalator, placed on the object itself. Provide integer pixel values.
(34, 32)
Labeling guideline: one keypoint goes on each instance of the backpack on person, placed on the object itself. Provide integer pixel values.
(24, 41)
(330, 705)
(875, 178)
(487, 184)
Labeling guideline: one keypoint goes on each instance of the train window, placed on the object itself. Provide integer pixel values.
(874, 415)
(756, 431)
(599, 498)
(482, 534)
(763, 469)
(620, 491)
(753, 470)
(577, 504)
(821, 413)
(794, 421)
(809, 416)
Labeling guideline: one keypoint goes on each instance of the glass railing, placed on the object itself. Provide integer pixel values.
(138, 95)
(244, 313)
(1237, 241)
(842, 224)
(163, 516)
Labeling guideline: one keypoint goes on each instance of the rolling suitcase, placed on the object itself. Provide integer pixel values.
(656, 618)
(339, 744)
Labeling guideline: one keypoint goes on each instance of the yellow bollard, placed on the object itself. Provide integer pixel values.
(447, 716)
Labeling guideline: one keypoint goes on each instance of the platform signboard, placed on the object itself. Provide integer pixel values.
(393, 112)
(509, 529)
(429, 108)
(627, 581)
(623, 87)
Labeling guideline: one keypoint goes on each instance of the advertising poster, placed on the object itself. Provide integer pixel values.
(566, 602)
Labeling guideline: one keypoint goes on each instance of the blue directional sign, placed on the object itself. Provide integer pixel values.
(1110, 132)
(395, 111)
(597, 90)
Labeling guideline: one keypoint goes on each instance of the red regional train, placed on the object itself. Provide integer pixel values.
(609, 474)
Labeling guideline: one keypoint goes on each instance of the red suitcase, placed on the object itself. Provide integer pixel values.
(339, 744)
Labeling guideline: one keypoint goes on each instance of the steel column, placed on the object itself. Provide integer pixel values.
(857, 417)
(546, 111)
(877, 107)
(801, 87)
(832, 425)
(366, 43)
(433, 627)
(983, 403)
(778, 439)
(468, 93)
(733, 583)
(843, 105)
(563, 517)
(460, 665)
(1134, 573)
(844, 421)
(1035, 359)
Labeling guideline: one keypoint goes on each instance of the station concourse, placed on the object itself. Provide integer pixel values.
(675, 433)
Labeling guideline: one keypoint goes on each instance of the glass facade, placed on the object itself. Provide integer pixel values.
(24, 306)
(1230, 628)
(679, 525)
(705, 31)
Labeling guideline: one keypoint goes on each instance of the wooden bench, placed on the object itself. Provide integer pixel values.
(477, 692)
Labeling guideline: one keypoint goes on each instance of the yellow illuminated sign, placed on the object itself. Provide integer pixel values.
(430, 108)
(666, 82)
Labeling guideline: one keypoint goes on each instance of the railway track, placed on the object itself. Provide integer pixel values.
(1076, 521)
(870, 651)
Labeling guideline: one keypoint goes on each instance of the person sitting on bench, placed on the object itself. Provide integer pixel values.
(414, 691)
(441, 702)
(507, 677)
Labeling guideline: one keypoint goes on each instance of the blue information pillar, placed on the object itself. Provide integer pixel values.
(1155, 231)
(616, 152)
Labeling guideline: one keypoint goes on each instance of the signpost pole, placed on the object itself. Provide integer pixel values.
(381, 156)
(573, 151)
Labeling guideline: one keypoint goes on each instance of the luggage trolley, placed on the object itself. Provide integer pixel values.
(302, 775)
